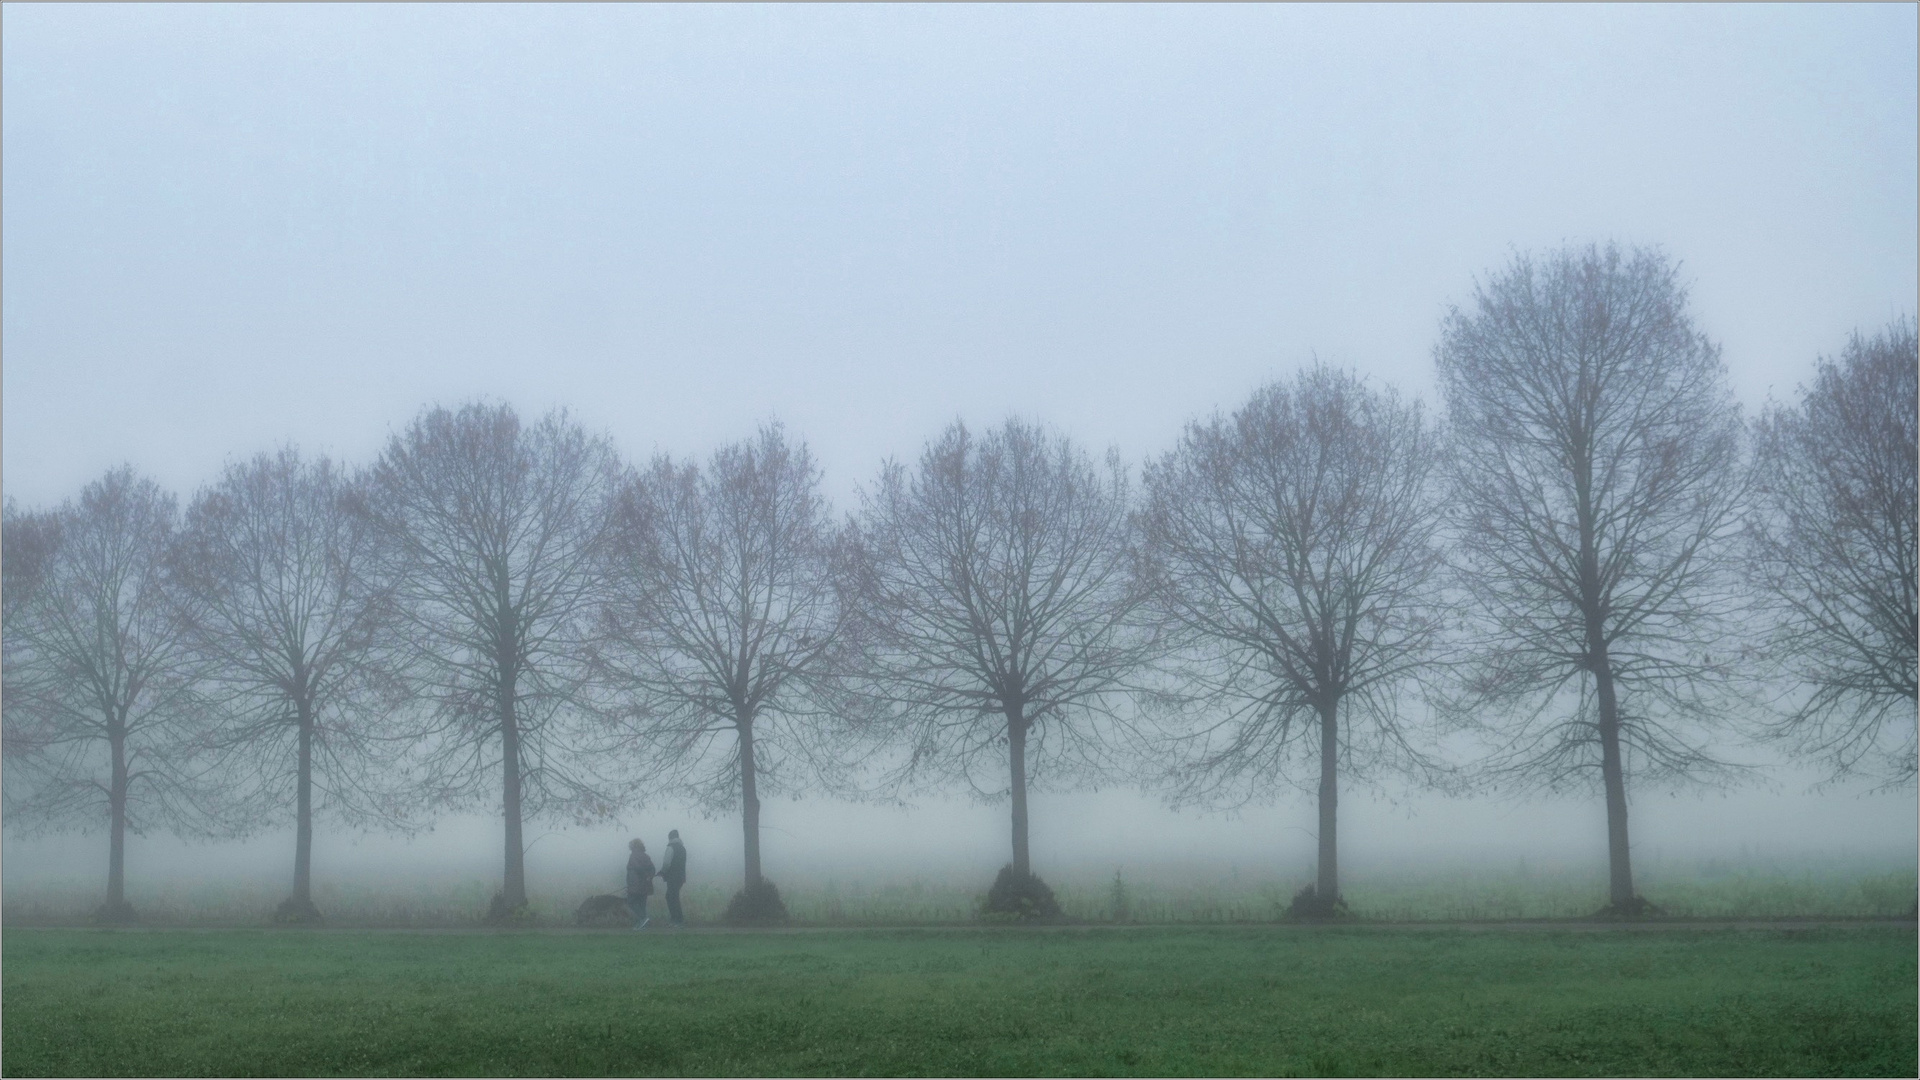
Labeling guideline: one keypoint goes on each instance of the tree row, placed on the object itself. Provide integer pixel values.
(1591, 569)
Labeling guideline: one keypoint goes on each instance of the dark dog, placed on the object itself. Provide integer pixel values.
(603, 910)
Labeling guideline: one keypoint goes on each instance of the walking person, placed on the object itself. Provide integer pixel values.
(675, 875)
(639, 882)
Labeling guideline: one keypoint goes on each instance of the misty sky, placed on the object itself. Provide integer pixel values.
(227, 228)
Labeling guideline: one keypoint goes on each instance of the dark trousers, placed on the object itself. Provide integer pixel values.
(637, 905)
(673, 901)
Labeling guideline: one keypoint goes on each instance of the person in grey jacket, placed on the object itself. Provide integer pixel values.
(639, 882)
(675, 875)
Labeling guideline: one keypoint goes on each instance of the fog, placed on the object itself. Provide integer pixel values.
(228, 228)
(1082, 836)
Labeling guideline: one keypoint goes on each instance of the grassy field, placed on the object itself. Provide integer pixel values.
(1690, 889)
(1184, 1000)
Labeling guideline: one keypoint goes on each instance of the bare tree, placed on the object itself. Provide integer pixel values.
(999, 601)
(97, 727)
(492, 536)
(724, 604)
(271, 583)
(1293, 543)
(1833, 545)
(1595, 486)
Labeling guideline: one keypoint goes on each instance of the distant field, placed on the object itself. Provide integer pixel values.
(1695, 889)
(1104, 1001)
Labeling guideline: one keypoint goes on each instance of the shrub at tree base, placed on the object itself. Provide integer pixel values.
(111, 914)
(1637, 908)
(1019, 898)
(1309, 904)
(757, 904)
(499, 914)
(603, 910)
(296, 912)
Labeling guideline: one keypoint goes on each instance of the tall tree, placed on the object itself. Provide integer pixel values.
(1293, 543)
(97, 724)
(491, 537)
(1833, 542)
(273, 592)
(999, 606)
(1595, 485)
(724, 605)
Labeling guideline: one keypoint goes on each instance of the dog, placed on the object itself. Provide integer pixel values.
(606, 909)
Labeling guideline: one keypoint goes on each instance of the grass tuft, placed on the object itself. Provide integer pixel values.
(1019, 897)
(758, 904)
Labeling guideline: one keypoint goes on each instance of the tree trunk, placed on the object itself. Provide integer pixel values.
(1327, 887)
(1613, 772)
(749, 803)
(1017, 777)
(515, 888)
(303, 825)
(1593, 607)
(117, 823)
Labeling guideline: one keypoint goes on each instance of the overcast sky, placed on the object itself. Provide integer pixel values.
(227, 227)
(230, 227)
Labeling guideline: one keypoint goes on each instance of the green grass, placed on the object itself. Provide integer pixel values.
(1187, 1000)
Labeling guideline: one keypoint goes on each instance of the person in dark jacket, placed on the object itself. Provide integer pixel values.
(675, 874)
(639, 882)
